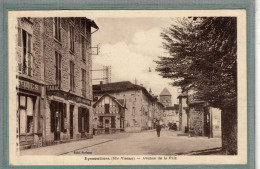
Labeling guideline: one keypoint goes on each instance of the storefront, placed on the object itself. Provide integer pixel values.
(69, 116)
(29, 117)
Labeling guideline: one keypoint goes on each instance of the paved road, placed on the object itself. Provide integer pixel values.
(147, 143)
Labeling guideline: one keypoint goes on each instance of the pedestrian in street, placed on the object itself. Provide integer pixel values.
(158, 128)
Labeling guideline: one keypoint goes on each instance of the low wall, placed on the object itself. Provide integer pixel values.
(100, 131)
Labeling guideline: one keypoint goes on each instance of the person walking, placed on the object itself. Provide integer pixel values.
(158, 128)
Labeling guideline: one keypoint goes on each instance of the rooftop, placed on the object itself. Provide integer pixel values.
(165, 92)
(119, 87)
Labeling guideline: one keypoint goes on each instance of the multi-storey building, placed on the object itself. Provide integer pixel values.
(55, 89)
(138, 103)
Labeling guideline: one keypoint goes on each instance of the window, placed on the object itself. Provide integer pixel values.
(83, 48)
(25, 42)
(57, 29)
(106, 108)
(58, 68)
(72, 37)
(72, 77)
(83, 82)
(26, 105)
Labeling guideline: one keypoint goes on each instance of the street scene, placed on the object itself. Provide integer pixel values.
(144, 143)
(126, 86)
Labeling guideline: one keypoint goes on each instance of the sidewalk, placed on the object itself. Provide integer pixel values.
(60, 149)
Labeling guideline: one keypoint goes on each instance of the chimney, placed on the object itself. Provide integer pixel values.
(101, 83)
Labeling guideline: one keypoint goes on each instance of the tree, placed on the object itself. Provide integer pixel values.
(203, 57)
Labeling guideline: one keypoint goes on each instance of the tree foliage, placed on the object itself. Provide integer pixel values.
(203, 57)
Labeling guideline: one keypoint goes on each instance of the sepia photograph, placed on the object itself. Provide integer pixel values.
(127, 87)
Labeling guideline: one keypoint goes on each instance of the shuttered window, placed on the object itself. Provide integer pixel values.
(72, 78)
(25, 42)
(83, 48)
(57, 28)
(72, 37)
(58, 68)
(83, 82)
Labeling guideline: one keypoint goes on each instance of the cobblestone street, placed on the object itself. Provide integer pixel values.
(144, 143)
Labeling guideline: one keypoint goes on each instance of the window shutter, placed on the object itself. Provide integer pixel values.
(79, 120)
(19, 37)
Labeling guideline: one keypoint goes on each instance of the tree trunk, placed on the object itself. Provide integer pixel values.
(229, 130)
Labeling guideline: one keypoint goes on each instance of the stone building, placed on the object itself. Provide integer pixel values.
(138, 101)
(54, 62)
(109, 115)
(197, 118)
(165, 97)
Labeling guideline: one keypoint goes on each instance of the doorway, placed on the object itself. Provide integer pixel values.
(206, 123)
(106, 126)
(71, 121)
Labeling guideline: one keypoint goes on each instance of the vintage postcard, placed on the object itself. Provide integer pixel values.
(127, 87)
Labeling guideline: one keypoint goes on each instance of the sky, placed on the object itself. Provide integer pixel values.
(130, 46)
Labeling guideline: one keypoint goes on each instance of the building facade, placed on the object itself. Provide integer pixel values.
(54, 57)
(197, 118)
(139, 103)
(109, 115)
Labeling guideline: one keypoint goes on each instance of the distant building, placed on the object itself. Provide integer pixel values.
(109, 115)
(171, 115)
(165, 97)
(140, 105)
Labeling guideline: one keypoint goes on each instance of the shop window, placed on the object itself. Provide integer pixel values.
(83, 82)
(25, 42)
(26, 109)
(72, 77)
(58, 68)
(57, 28)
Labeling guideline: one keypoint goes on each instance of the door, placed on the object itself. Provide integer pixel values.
(207, 124)
(57, 118)
(57, 126)
(71, 121)
(106, 126)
